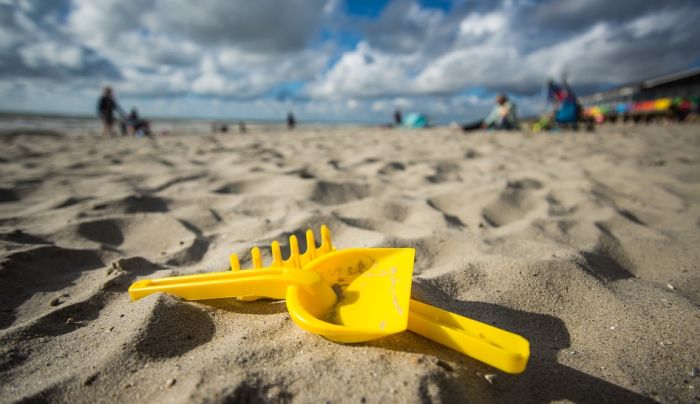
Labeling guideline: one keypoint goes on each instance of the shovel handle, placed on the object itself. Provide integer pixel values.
(498, 348)
(271, 282)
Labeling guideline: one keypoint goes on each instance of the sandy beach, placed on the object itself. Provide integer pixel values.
(585, 244)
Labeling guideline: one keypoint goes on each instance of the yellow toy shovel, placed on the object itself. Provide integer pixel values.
(372, 287)
(364, 297)
(496, 347)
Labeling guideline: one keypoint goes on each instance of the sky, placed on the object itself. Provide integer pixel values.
(331, 60)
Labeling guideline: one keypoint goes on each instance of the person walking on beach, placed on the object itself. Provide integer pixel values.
(106, 107)
(398, 118)
(291, 121)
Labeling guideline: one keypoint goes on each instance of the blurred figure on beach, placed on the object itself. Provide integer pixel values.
(566, 112)
(135, 125)
(681, 108)
(503, 116)
(398, 117)
(567, 109)
(106, 107)
(291, 121)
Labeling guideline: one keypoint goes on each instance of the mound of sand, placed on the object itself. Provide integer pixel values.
(586, 244)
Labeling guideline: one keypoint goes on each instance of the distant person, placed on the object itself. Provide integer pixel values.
(217, 127)
(503, 116)
(106, 106)
(291, 121)
(136, 126)
(567, 108)
(397, 117)
(241, 127)
(681, 108)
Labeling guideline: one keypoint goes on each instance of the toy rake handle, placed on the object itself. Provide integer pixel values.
(272, 283)
(498, 348)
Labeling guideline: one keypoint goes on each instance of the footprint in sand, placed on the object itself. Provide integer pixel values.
(514, 202)
(134, 204)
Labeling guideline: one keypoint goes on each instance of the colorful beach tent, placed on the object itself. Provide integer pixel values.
(414, 120)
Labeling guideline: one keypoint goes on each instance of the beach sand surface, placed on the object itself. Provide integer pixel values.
(584, 243)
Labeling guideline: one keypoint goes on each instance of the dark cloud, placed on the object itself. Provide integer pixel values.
(406, 27)
(574, 15)
(261, 26)
(43, 65)
(640, 51)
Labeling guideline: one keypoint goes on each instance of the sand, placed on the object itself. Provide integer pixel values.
(586, 244)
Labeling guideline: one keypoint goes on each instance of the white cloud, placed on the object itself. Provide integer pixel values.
(482, 24)
(364, 72)
(52, 53)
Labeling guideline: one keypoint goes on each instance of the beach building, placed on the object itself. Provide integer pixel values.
(676, 94)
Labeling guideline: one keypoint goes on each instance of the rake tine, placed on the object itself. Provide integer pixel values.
(294, 256)
(235, 264)
(256, 257)
(276, 254)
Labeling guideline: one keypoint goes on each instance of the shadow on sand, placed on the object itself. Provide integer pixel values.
(544, 380)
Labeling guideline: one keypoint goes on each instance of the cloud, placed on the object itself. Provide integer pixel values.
(53, 54)
(32, 45)
(477, 25)
(364, 72)
(405, 27)
(493, 49)
(609, 54)
(315, 57)
(160, 48)
(261, 26)
(576, 15)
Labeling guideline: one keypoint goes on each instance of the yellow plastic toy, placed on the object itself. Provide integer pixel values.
(372, 286)
(496, 347)
(493, 346)
(352, 295)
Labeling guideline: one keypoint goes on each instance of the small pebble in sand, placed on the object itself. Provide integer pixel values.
(694, 372)
(69, 320)
(670, 286)
(170, 383)
(612, 327)
(491, 378)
